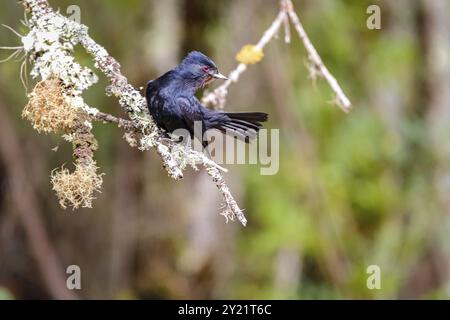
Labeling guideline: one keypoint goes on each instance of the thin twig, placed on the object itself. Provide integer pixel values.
(217, 98)
(231, 205)
(287, 28)
(121, 123)
(11, 56)
(341, 99)
(12, 30)
(11, 48)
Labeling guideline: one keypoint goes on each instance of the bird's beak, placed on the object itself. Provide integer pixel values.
(218, 75)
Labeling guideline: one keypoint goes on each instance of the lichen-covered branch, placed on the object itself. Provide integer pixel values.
(316, 62)
(49, 47)
(56, 104)
(231, 205)
(127, 125)
(251, 54)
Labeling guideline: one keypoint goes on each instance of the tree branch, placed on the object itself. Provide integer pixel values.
(45, 21)
(341, 99)
(217, 98)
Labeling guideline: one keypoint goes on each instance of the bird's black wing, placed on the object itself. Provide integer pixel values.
(154, 102)
(191, 113)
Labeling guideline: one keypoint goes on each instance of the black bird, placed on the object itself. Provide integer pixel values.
(172, 103)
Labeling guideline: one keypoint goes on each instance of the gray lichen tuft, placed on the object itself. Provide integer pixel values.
(76, 189)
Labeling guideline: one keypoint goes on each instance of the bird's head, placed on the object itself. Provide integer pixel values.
(198, 70)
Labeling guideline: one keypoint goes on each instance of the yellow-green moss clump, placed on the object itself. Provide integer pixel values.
(250, 54)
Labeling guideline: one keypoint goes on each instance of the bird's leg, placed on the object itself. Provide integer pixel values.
(165, 135)
(178, 139)
(171, 137)
(181, 137)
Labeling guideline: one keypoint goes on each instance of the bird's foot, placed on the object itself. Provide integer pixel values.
(171, 138)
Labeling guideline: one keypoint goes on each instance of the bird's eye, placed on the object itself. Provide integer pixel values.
(205, 69)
